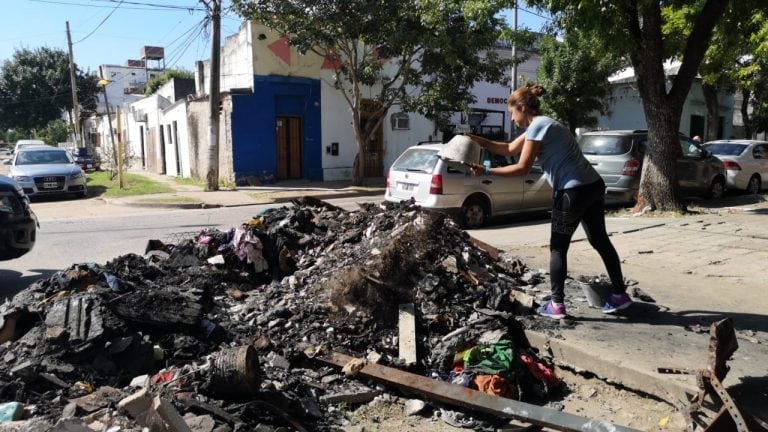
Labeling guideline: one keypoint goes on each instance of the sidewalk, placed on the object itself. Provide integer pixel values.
(191, 196)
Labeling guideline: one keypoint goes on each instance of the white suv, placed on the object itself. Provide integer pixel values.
(420, 175)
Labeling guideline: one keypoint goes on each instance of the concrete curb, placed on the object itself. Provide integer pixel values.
(203, 205)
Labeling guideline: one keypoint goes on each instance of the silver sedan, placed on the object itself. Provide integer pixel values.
(746, 163)
(47, 170)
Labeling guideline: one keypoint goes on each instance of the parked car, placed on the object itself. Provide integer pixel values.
(46, 170)
(84, 159)
(27, 143)
(432, 183)
(746, 163)
(617, 155)
(18, 224)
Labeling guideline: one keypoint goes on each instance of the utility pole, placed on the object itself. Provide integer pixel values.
(212, 176)
(73, 79)
(103, 82)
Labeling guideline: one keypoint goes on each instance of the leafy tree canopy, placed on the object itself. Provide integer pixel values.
(575, 74)
(158, 81)
(35, 88)
(55, 131)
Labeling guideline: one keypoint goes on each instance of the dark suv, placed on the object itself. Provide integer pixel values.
(617, 155)
(18, 223)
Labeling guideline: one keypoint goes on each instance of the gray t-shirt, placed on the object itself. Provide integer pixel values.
(559, 155)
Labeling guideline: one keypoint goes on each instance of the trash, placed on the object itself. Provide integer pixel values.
(10, 411)
(414, 406)
(234, 372)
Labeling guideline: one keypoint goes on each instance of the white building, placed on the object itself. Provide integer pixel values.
(626, 107)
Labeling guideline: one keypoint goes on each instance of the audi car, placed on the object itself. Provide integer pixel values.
(46, 170)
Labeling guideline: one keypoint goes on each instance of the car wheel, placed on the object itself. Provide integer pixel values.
(716, 189)
(753, 187)
(474, 213)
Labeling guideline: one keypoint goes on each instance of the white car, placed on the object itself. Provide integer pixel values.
(745, 161)
(46, 170)
(420, 175)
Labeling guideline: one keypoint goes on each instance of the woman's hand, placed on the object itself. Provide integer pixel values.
(476, 169)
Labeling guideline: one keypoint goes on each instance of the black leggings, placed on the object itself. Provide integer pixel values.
(586, 205)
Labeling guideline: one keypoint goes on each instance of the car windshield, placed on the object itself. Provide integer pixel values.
(726, 149)
(605, 145)
(416, 159)
(42, 157)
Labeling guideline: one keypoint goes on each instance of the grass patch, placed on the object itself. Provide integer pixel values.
(189, 181)
(171, 200)
(101, 183)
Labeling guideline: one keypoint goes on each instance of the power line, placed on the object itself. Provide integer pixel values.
(100, 24)
(150, 6)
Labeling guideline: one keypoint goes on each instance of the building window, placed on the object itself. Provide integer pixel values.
(400, 121)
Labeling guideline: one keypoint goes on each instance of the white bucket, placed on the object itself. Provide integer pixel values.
(460, 149)
(596, 293)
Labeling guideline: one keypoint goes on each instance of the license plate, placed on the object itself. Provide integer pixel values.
(50, 185)
(407, 187)
(89, 166)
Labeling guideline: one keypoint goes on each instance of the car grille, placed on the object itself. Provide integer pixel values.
(49, 183)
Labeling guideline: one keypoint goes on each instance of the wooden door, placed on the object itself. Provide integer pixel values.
(288, 136)
(373, 162)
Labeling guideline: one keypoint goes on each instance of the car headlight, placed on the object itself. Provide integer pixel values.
(21, 178)
(77, 175)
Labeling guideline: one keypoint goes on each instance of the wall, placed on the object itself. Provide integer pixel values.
(176, 113)
(198, 115)
(253, 125)
(626, 109)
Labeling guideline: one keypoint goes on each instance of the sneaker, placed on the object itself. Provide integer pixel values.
(615, 303)
(551, 310)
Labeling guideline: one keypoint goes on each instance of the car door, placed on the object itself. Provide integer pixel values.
(537, 191)
(691, 167)
(506, 193)
(760, 161)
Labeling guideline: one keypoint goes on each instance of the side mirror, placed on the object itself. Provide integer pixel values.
(7, 162)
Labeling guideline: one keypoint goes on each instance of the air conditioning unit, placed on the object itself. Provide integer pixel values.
(400, 121)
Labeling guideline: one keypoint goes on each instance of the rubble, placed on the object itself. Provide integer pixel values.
(225, 330)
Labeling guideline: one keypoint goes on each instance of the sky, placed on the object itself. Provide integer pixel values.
(113, 31)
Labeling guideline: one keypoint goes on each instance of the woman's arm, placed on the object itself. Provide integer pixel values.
(530, 149)
(500, 147)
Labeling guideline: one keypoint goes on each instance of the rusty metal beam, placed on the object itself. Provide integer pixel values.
(472, 399)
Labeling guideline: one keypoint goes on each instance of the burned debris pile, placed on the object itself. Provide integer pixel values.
(223, 330)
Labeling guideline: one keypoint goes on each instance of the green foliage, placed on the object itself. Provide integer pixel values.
(55, 131)
(35, 88)
(575, 74)
(158, 81)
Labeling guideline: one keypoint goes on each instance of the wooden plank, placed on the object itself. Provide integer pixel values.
(407, 333)
(294, 147)
(472, 399)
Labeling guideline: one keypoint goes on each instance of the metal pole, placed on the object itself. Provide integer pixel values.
(120, 183)
(73, 79)
(212, 176)
(109, 122)
(514, 49)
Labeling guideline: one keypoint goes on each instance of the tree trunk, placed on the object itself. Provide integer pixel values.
(713, 111)
(658, 184)
(746, 95)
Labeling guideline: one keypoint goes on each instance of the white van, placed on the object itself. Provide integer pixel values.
(27, 143)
